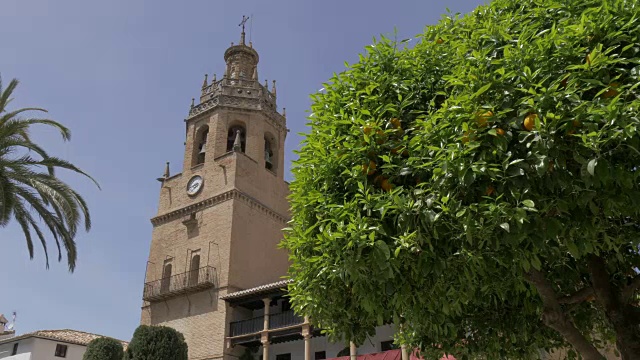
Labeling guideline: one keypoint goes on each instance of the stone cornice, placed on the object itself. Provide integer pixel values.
(215, 200)
(258, 103)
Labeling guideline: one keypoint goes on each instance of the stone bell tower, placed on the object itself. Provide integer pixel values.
(219, 221)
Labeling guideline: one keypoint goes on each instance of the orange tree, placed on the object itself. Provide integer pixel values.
(479, 189)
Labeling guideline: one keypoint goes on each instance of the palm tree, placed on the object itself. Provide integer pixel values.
(29, 189)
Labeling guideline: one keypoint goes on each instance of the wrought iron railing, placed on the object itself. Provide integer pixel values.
(193, 280)
(284, 319)
(244, 327)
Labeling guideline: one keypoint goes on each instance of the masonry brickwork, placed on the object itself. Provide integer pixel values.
(234, 222)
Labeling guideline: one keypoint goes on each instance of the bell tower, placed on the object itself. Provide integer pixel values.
(219, 221)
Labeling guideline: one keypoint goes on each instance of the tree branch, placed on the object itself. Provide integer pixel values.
(578, 297)
(620, 315)
(630, 289)
(554, 318)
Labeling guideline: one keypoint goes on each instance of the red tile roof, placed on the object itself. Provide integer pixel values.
(64, 335)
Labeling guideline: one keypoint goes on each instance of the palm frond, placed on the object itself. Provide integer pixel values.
(27, 189)
(5, 94)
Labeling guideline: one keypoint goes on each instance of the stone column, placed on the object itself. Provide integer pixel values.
(405, 353)
(353, 350)
(267, 309)
(264, 338)
(306, 334)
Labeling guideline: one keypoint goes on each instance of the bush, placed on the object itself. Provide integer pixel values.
(481, 188)
(157, 343)
(104, 348)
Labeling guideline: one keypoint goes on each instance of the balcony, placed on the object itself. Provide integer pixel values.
(190, 281)
(284, 319)
(245, 327)
(281, 320)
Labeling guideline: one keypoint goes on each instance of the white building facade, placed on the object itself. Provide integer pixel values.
(47, 345)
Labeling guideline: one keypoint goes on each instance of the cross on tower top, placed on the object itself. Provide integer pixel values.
(244, 21)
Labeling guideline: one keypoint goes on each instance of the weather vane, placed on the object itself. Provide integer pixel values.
(244, 20)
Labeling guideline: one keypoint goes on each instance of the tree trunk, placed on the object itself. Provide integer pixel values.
(554, 317)
(621, 315)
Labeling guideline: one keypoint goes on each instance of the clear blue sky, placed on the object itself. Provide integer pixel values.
(121, 75)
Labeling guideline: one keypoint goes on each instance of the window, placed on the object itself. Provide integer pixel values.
(15, 349)
(201, 142)
(268, 154)
(387, 345)
(61, 350)
(194, 270)
(320, 355)
(165, 283)
(232, 135)
(283, 356)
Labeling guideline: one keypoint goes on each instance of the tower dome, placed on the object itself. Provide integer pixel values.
(242, 60)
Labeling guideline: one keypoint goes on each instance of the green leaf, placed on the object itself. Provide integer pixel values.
(505, 226)
(528, 203)
(481, 91)
(592, 166)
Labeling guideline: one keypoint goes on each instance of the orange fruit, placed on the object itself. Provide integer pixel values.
(381, 137)
(386, 185)
(563, 83)
(612, 91)
(405, 153)
(551, 165)
(378, 179)
(500, 131)
(576, 123)
(465, 137)
(483, 118)
(372, 167)
(396, 123)
(490, 190)
(530, 121)
(439, 41)
(395, 150)
(367, 130)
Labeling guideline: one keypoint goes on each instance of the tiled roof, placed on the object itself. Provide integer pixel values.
(65, 335)
(257, 290)
(3, 319)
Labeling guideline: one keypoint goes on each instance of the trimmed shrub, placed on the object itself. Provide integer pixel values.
(157, 343)
(104, 349)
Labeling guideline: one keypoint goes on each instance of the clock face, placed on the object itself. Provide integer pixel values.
(194, 185)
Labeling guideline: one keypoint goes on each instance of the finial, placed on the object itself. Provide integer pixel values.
(244, 20)
(165, 176)
(237, 143)
(232, 43)
(273, 90)
(255, 73)
(214, 77)
(266, 85)
(250, 44)
(204, 84)
(284, 112)
(193, 102)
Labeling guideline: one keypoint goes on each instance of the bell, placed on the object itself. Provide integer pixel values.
(202, 149)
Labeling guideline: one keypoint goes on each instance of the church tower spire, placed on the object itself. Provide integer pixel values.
(220, 220)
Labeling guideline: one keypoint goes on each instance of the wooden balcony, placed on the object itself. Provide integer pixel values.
(255, 325)
(187, 282)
